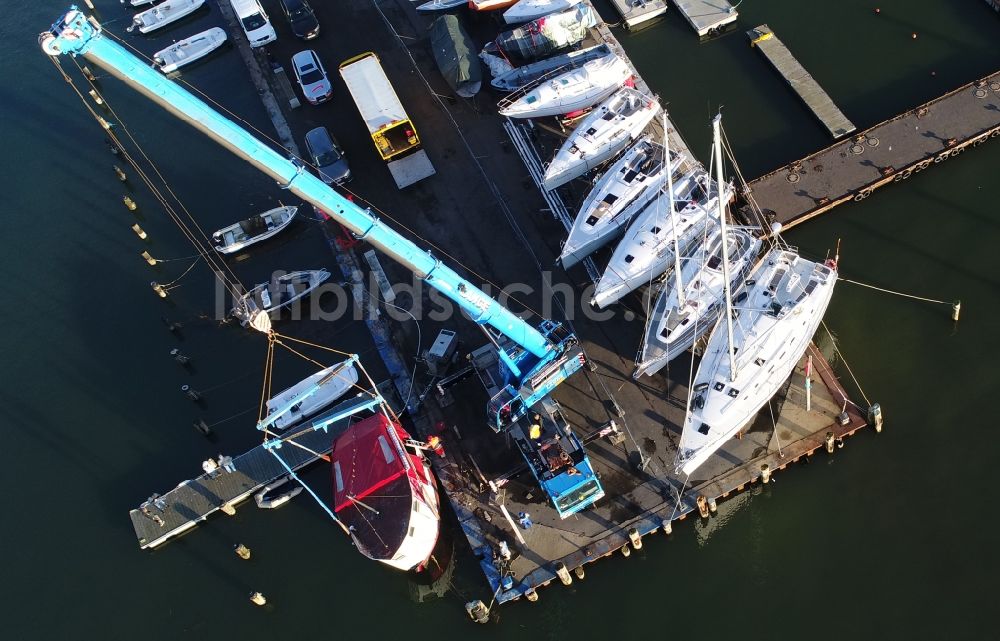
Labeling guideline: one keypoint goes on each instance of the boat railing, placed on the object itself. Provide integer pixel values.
(516, 95)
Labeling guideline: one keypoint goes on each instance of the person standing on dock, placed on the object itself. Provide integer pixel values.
(226, 463)
(211, 468)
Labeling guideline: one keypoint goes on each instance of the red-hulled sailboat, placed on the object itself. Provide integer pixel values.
(385, 494)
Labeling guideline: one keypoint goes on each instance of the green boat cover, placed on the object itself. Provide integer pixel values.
(454, 55)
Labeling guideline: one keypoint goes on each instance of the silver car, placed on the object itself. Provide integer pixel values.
(309, 71)
(327, 156)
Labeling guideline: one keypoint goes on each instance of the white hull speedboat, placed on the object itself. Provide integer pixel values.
(190, 49)
(601, 135)
(514, 79)
(786, 299)
(647, 250)
(528, 10)
(163, 14)
(232, 239)
(631, 182)
(254, 306)
(440, 5)
(569, 91)
(674, 327)
(333, 382)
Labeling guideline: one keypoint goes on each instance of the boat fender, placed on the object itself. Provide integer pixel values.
(906, 174)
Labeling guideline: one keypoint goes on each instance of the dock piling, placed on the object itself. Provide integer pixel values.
(703, 504)
(668, 528)
(765, 473)
(160, 290)
(713, 506)
(580, 573)
(828, 441)
(148, 258)
(179, 356)
(191, 393)
(563, 573)
(257, 598)
(129, 203)
(635, 538)
(242, 551)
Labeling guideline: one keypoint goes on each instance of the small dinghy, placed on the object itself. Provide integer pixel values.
(527, 10)
(440, 5)
(620, 193)
(325, 387)
(229, 240)
(163, 14)
(268, 499)
(190, 49)
(506, 78)
(607, 130)
(568, 91)
(253, 307)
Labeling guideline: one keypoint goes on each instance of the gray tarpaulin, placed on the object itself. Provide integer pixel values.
(454, 55)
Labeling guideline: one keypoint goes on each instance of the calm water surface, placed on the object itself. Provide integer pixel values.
(891, 538)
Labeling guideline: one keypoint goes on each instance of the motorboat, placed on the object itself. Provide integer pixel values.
(163, 14)
(254, 306)
(384, 493)
(440, 5)
(324, 387)
(544, 35)
(241, 235)
(190, 49)
(621, 192)
(570, 90)
(527, 10)
(512, 79)
(600, 136)
(688, 307)
(649, 245)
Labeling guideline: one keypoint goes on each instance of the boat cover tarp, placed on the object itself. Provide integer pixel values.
(365, 459)
(454, 55)
(541, 37)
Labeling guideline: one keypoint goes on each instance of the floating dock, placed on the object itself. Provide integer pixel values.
(891, 151)
(800, 81)
(707, 17)
(635, 13)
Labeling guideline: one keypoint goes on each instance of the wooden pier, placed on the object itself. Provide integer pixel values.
(891, 151)
(800, 81)
(707, 17)
(636, 13)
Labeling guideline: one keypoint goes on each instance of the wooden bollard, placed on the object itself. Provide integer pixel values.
(257, 598)
(668, 527)
(956, 310)
(713, 507)
(148, 258)
(160, 290)
(96, 96)
(129, 203)
(88, 74)
(626, 551)
(478, 611)
(702, 506)
(122, 176)
(531, 594)
(765, 473)
(875, 417)
(139, 231)
(563, 573)
(579, 572)
(633, 536)
(242, 551)
(228, 509)
(829, 442)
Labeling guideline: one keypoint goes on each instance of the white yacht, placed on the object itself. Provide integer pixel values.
(190, 49)
(163, 14)
(237, 236)
(253, 307)
(511, 79)
(570, 90)
(324, 387)
(527, 10)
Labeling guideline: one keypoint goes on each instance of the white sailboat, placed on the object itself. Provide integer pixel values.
(527, 10)
(648, 248)
(625, 188)
(333, 382)
(253, 307)
(601, 135)
(237, 236)
(748, 358)
(512, 79)
(163, 14)
(190, 49)
(570, 90)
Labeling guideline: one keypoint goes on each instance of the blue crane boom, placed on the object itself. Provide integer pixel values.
(545, 356)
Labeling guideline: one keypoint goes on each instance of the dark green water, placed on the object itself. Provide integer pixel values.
(892, 538)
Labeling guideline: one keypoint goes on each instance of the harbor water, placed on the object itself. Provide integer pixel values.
(891, 537)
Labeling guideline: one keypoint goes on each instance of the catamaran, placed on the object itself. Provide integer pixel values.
(332, 382)
(525, 10)
(620, 193)
(190, 49)
(384, 493)
(232, 239)
(754, 346)
(570, 90)
(256, 304)
(650, 243)
(601, 135)
(163, 14)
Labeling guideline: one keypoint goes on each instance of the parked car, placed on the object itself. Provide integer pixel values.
(312, 78)
(254, 21)
(301, 17)
(327, 156)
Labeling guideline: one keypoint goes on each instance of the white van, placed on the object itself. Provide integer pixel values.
(255, 22)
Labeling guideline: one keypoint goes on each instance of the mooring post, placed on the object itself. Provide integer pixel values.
(668, 527)
(531, 594)
(829, 442)
(191, 393)
(257, 598)
(563, 573)
(242, 551)
(703, 505)
(160, 290)
(179, 356)
(713, 507)
(635, 538)
(765, 473)
(579, 572)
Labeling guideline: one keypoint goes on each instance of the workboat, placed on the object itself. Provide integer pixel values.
(384, 493)
(163, 14)
(568, 91)
(689, 304)
(440, 5)
(545, 35)
(254, 306)
(601, 135)
(324, 387)
(232, 239)
(490, 5)
(190, 49)
(512, 79)
(648, 248)
(525, 10)
(754, 346)
(621, 191)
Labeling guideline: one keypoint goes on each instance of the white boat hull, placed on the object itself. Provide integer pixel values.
(601, 135)
(163, 14)
(282, 292)
(571, 90)
(516, 78)
(190, 49)
(341, 380)
(787, 297)
(234, 238)
(440, 5)
(528, 10)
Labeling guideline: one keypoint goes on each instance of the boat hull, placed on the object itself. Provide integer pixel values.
(190, 49)
(288, 289)
(528, 10)
(571, 90)
(344, 379)
(519, 77)
(163, 14)
(229, 241)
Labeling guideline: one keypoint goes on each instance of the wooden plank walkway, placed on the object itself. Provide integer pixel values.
(890, 151)
(636, 13)
(800, 81)
(707, 17)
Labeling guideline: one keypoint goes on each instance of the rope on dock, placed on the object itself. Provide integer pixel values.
(172, 284)
(836, 348)
(889, 291)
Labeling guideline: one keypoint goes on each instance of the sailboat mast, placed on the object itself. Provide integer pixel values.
(673, 214)
(717, 139)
